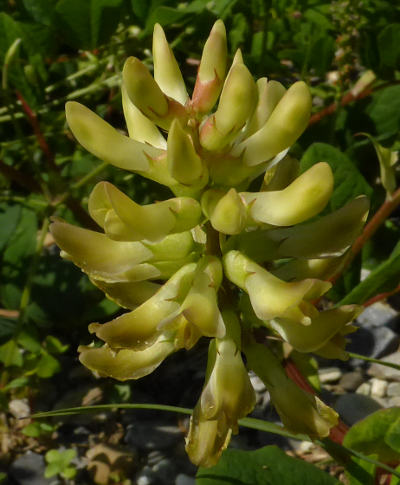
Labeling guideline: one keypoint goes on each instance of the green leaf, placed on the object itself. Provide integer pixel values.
(392, 437)
(42, 11)
(7, 327)
(16, 383)
(349, 183)
(10, 354)
(140, 8)
(266, 466)
(22, 243)
(51, 469)
(54, 345)
(389, 46)
(378, 434)
(47, 366)
(384, 111)
(395, 480)
(69, 472)
(87, 24)
(9, 218)
(36, 429)
(382, 279)
(360, 472)
(387, 159)
(29, 340)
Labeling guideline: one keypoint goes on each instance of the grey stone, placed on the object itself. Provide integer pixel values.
(146, 477)
(384, 372)
(351, 380)
(376, 336)
(329, 374)
(150, 436)
(257, 383)
(394, 402)
(164, 470)
(354, 407)
(364, 389)
(393, 389)
(377, 315)
(19, 408)
(29, 469)
(378, 387)
(183, 479)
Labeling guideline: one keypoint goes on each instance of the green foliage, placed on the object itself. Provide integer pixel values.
(378, 434)
(59, 462)
(74, 49)
(265, 466)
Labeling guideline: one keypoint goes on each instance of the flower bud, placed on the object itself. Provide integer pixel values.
(125, 364)
(106, 143)
(232, 113)
(200, 306)
(271, 297)
(335, 347)
(282, 208)
(287, 122)
(281, 175)
(269, 95)
(166, 70)
(229, 214)
(102, 258)
(146, 94)
(297, 269)
(139, 328)
(184, 163)
(330, 235)
(226, 397)
(129, 294)
(211, 74)
(321, 329)
(140, 128)
(299, 411)
(124, 220)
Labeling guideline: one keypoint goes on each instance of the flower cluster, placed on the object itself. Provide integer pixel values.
(216, 260)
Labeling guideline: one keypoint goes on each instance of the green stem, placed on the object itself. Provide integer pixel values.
(375, 361)
(11, 52)
(81, 182)
(26, 292)
(245, 422)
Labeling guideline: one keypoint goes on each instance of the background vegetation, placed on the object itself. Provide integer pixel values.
(348, 51)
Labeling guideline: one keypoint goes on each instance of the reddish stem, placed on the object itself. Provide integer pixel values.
(347, 99)
(20, 178)
(373, 225)
(381, 296)
(337, 433)
(33, 120)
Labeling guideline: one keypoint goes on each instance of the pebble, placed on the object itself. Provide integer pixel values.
(183, 479)
(393, 389)
(146, 477)
(256, 382)
(394, 402)
(164, 471)
(364, 389)
(19, 408)
(387, 373)
(378, 387)
(351, 380)
(29, 469)
(150, 436)
(329, 374)
(354, 407)
(377, 315)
